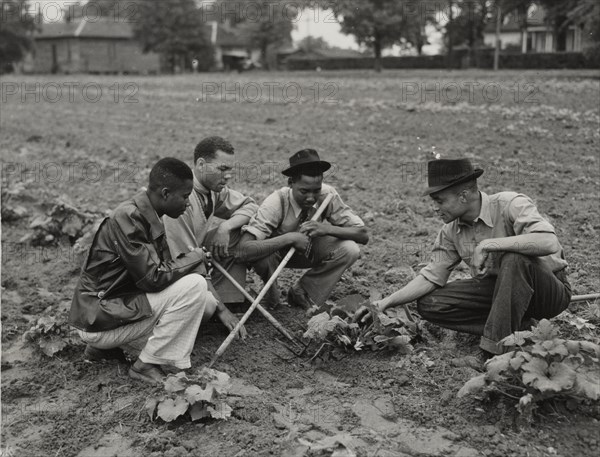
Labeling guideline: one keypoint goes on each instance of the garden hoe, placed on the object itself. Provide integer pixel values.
(300, 347)
(263, 292)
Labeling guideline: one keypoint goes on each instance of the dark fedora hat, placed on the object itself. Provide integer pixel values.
(444, 173)
(306, 159)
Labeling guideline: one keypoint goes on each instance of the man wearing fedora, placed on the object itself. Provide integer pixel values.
(515, 259)
(327, 247)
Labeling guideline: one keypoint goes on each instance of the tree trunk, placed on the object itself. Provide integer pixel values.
(449, 32)
(377, 50)
(497, 48)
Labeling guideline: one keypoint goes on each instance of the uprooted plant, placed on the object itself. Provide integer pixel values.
(51, 335)
(398, 330)
(200, 395)
(544, 366)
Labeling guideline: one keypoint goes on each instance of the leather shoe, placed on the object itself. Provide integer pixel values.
(93, 354)
(298, 297)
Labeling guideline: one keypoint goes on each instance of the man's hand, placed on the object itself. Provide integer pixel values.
(314, 229)
(219, 245)
(363, 314)
(230, 321)
(205, 255)
(299, 241)
(479, 261)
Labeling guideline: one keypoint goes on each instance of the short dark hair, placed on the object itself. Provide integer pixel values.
(208, 147)
(169, 172)
(311, 170)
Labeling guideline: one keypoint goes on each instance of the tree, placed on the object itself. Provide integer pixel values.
(174, 29)
(377, 23)
(267, 23)
(468, 25)
(15, 34)
(311, 43)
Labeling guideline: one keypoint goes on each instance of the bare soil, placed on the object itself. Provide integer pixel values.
(542, 142)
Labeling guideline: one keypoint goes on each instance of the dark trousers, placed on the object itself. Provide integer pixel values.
(495, 307)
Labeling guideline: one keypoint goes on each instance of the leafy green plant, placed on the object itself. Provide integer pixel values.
(397, 331)
(544, 366)
(51, 335)
(199, 395)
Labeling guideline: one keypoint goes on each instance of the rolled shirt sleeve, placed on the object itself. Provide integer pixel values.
(338, 213)
(444, 258)
(233, 203)
(267, 219)
(525, 217)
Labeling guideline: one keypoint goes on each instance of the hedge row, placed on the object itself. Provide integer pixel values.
(459, 59)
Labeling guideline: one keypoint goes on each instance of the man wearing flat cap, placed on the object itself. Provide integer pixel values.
(516, 262)
(327, 247)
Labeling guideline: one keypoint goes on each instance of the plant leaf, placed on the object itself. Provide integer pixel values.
(199, 411)
(46, 323)
(554, 378)
(196, 393)
(170, 409)
(544, 331)
(174, 382)
(588, 346)
(496, 365)
(51, 345)
(588, 384)
(220, 411)
(218, 380)
(321, 325)
(472, 386)
(516, 339)
(150, 406)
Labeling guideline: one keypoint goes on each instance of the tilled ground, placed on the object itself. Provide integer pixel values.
(379, 139)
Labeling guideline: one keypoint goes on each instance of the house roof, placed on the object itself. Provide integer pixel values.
(325, 54)
(513, 21)
(82, 28)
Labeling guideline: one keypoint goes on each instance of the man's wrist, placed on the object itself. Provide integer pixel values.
(224, 227)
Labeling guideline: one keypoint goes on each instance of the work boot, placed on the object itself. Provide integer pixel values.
(93, 354)
(297, 297)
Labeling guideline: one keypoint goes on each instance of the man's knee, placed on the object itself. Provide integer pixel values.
(349, 251)
(194, 285)
(426, 306)
(513, 259)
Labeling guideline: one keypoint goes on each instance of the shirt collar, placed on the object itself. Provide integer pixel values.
(484, 214)
(200, 188)
(143, 203)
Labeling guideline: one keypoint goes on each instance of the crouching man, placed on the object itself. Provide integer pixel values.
(326, 247)
(131, 295)
(516, 261)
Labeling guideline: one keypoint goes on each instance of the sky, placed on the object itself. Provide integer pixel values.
(315, 22)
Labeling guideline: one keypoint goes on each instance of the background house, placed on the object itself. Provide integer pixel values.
(533, 34)
(84, 46)
(232, 46)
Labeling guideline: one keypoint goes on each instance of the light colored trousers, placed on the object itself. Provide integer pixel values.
(167, 337)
